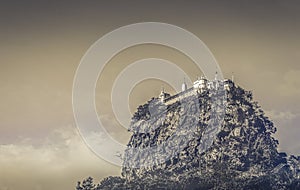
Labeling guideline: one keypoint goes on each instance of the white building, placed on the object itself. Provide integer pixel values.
(199, 86)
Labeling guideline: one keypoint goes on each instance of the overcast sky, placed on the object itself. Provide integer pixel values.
(42, 43)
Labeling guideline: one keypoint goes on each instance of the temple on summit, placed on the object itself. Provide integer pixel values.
(201, 85)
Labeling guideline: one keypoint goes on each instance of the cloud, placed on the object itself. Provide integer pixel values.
(58, 163)
(287, 123)
(281, 115)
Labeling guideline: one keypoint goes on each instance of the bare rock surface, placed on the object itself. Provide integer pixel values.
(216, 139)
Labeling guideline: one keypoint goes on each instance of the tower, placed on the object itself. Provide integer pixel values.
(183, 86)
(216, 75)
(162, 95)
(216, 82)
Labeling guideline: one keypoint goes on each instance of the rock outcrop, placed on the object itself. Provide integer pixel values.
(216, 139)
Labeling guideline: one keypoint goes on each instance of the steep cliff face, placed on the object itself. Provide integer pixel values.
(216, 139)
(243, 142)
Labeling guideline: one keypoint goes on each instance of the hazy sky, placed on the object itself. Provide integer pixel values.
(42, 43)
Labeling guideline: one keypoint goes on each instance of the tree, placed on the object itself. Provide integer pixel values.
(87, 184)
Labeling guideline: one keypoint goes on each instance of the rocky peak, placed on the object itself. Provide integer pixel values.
(211, 139)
